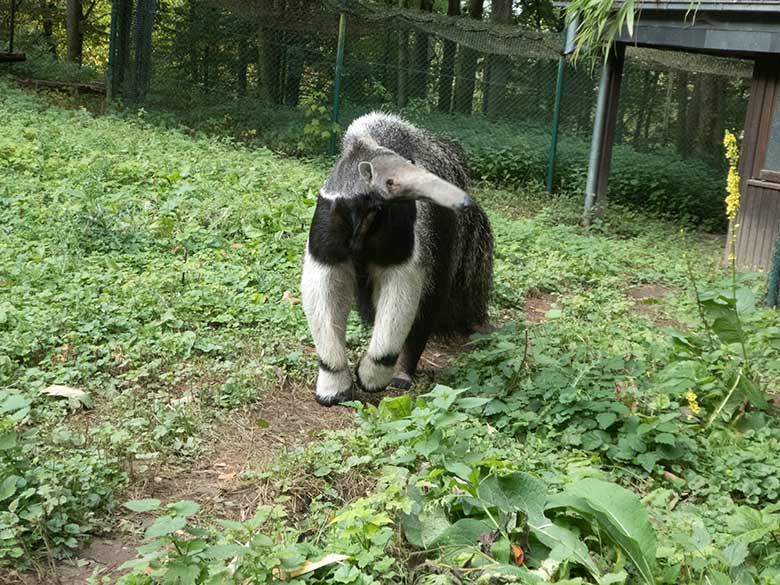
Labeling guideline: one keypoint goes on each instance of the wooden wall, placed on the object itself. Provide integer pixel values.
(760, 205)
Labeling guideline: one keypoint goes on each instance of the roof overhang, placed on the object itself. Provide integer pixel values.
(727, 27)
(748, 34)
(709, 5)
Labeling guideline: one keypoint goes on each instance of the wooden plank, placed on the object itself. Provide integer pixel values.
(761, 184)
(746, 225)
(93, 88)
(746, 159)
(759, 235)
(12, 57)
(765, 126)
(756, 236)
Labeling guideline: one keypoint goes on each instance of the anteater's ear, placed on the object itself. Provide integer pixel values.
(366, 171)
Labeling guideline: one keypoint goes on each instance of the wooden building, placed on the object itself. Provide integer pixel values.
(731, 28)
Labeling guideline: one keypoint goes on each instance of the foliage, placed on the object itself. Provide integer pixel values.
(565, 447)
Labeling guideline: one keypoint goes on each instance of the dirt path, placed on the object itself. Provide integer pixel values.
(285, 419)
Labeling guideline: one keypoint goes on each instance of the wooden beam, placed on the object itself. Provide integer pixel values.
(12, 57)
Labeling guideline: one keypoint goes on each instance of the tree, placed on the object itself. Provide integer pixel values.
(144, 23)
(447, 70)
(402, 96)
(269, 55)
(498, 68)
(464, 84)
(48, 10)
(420, 60)
(74, 16)
(119, 46)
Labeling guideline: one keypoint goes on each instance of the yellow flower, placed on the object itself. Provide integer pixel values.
(693, 403)
(733, 180)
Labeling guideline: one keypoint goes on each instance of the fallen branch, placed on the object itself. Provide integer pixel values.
(91, 88)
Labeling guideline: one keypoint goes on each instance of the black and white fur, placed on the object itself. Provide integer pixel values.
(394, 231)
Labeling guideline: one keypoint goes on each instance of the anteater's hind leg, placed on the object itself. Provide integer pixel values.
(410, 354)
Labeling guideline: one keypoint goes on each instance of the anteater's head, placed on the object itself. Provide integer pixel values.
(367, 167)
(394, 178)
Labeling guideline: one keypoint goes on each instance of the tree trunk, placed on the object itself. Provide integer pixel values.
(447, 71)
(295, 64)
(74, 14)
(119, 60)
(498, 69)
(389, 62)
(402, 95)
(420, 61)
(681, 91)
(693, 117)
(49, 9)
(269, 56)
(464, 84)
(144, 23)
(242, 65)
(671, 77)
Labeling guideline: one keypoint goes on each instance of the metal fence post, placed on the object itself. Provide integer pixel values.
(556, 124)
(337, 77)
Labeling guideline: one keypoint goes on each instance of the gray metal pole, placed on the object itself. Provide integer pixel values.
(597, 140)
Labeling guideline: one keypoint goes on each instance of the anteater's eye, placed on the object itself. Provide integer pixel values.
(389, 182)
(411, 160)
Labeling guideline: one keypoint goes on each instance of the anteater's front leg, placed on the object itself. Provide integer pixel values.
(327, 291)
(397, 291)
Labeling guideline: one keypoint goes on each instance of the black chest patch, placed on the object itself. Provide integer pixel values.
(363, 230)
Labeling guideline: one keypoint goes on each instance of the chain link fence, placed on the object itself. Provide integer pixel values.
(264, 72)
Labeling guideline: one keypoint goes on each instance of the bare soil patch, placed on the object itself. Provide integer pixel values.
(646, 302)
(536, 307)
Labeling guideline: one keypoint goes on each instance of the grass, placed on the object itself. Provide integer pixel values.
(157, 272)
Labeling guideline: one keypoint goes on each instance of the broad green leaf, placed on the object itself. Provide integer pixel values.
(165, 525)
(7, 440)
(472, 402)
(605, 419)
(458, 468)
(565, 544)
(8, 487)
(146, 505)
(735, 553)
(518, 491)
(499, 550)
(181, 572)
(648, 460)
(465, 532)
(184, 508)
(395, 408)
(620, 513)
(425, 528)
(718, 578)
(225, 551)
(13, 402)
